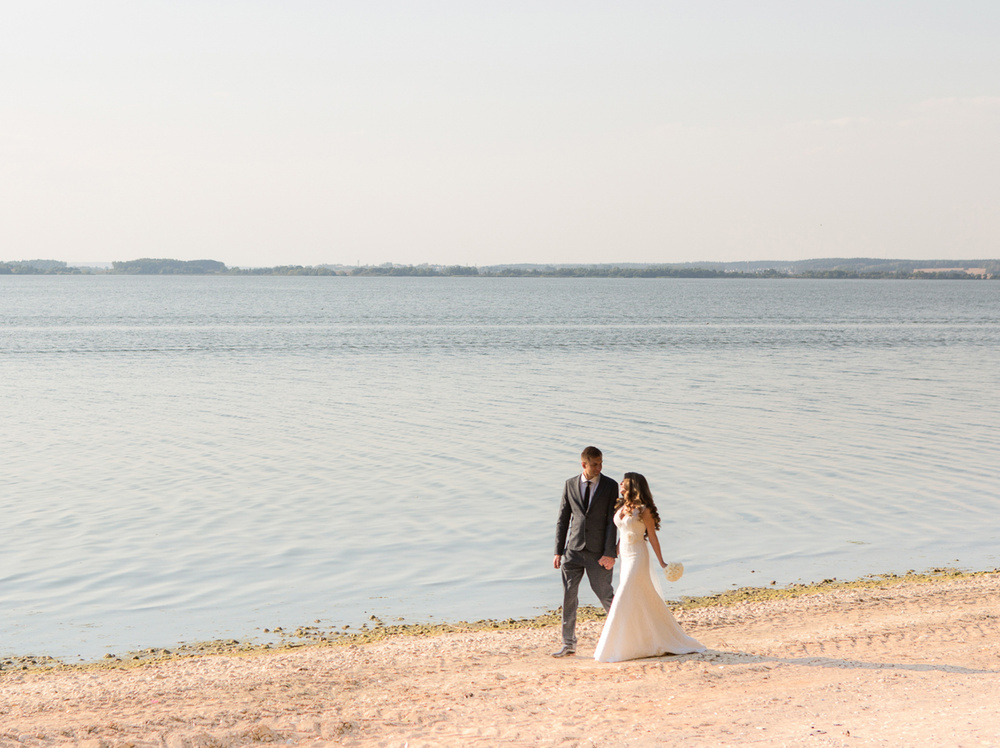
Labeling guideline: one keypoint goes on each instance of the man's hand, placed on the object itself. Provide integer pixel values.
(607, 562)
(557, 561)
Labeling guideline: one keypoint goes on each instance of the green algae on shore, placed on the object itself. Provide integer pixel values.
(318, 636)
(761, 594)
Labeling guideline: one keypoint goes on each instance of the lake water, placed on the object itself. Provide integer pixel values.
(187, 458)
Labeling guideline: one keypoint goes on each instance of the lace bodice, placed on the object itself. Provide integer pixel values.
(631, 529)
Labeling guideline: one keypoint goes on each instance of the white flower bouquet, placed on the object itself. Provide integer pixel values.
(674, 571)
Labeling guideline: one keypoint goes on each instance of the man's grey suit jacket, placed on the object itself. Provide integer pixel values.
(593, 530)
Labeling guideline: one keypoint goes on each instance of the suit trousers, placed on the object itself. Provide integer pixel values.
(573, 565)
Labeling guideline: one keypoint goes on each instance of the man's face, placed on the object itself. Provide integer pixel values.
(592, 468)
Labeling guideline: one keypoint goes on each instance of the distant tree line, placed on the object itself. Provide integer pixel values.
(651, 271)
(37, 267)
(284, 270)
(149, 266)
(419, 270)
(835, 269)
(896, 275)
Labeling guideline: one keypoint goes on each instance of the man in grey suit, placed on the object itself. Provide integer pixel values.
(586, 540)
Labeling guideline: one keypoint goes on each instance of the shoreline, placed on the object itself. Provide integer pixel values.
(332, 636)
(889, 661)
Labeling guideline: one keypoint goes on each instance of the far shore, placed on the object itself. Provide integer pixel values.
(823, 269)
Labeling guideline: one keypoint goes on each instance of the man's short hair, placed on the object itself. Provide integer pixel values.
(590, 454)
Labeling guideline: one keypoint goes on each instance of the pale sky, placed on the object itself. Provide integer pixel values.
(265, 132)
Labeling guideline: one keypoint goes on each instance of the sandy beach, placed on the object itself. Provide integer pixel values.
(898, 662)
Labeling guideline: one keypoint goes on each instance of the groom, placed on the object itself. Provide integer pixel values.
(586, 540)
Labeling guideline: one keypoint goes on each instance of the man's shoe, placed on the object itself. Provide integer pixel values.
(566, 651)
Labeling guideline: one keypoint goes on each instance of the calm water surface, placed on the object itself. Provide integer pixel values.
(188, 458)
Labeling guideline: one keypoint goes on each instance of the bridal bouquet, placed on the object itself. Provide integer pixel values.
(674, 571)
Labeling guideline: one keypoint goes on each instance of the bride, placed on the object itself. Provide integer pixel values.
(639, 623)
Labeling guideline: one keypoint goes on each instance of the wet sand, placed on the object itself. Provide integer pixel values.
(897, 662)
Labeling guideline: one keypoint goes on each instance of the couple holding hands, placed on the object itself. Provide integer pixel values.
(599, 521)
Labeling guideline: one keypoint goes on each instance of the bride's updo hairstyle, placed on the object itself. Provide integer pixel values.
(636, 494)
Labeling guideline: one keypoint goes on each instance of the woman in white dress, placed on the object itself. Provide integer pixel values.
(639, 623)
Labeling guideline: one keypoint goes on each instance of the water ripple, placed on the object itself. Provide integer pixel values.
(189, 458)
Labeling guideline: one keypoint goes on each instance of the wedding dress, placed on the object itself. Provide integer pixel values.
(639, 623)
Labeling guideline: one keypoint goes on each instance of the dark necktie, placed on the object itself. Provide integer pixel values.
(586, 497)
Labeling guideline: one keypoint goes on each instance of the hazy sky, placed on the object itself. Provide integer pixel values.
(479, 132)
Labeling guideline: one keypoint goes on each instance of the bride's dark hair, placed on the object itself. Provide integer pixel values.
(635, 494)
